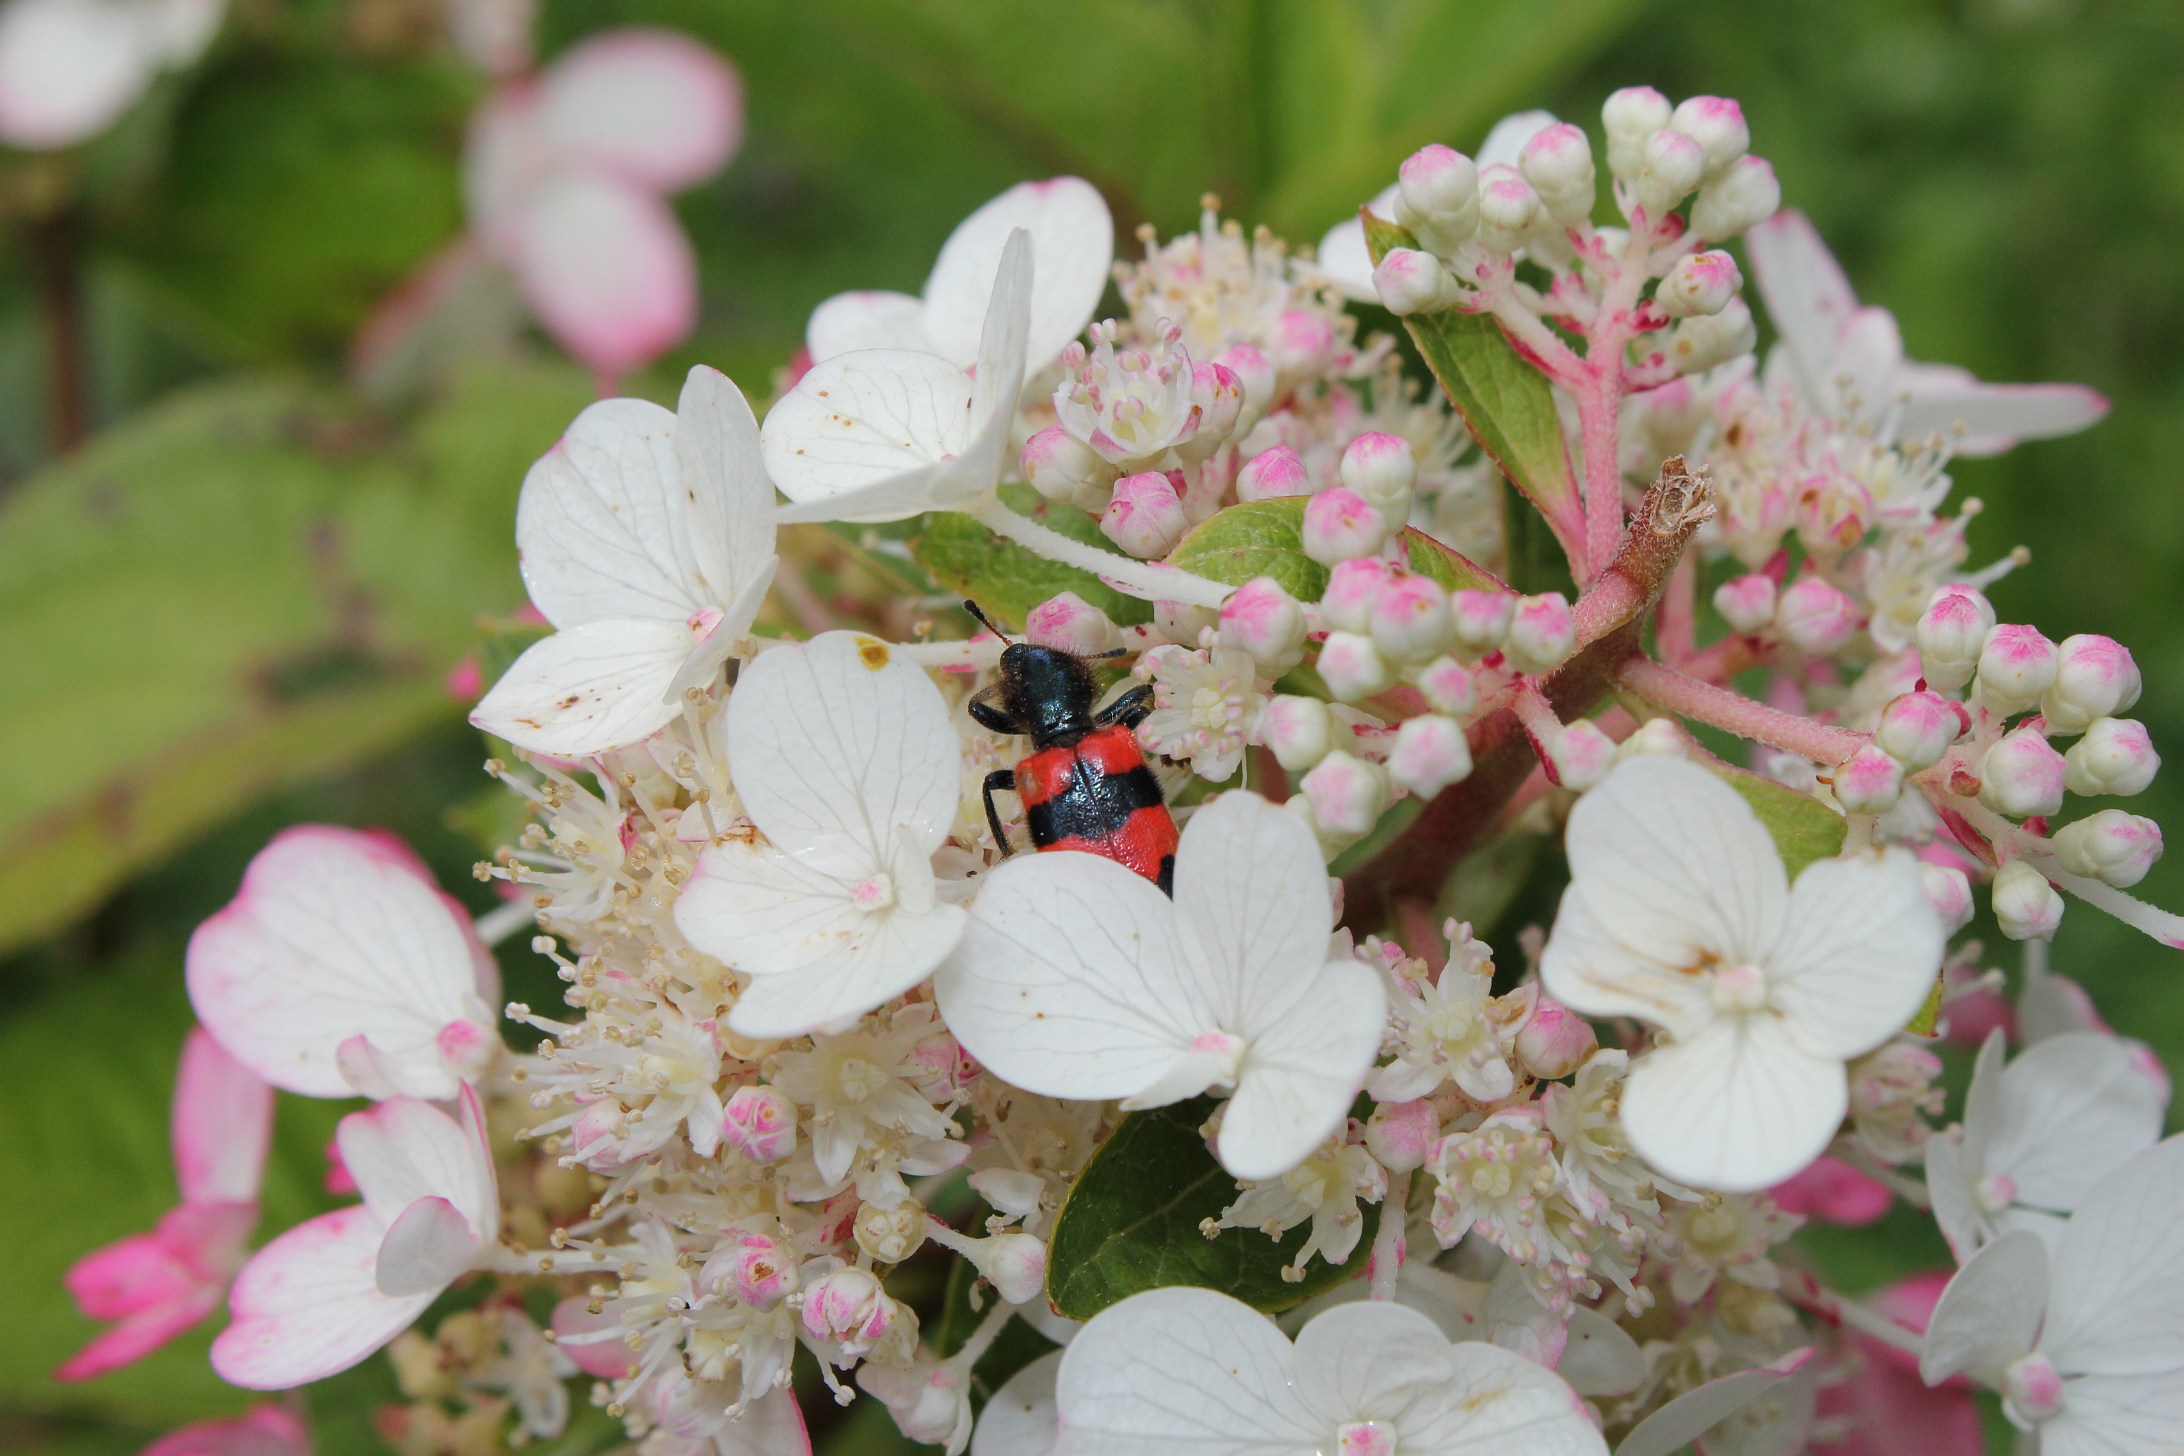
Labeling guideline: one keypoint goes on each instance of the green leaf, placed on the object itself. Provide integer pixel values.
(1006, 579)
(1446, 565)
(1131, 1224)
(1266, 538)
(1505, 401)
(1804, 829)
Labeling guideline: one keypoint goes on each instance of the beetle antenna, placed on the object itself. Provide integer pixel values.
(972, 608)
(1110, 652)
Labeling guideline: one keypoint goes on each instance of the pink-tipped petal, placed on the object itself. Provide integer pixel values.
(1072, 248)
(652, 107)
(1807, 296)
(223, 1121)
(405, 1150)
(606, 268)
(1992, 417)
(593, 1341)
(308, 1305)
(129, 1276)
(772, 1425)
(140, 1334)
(266, 1430)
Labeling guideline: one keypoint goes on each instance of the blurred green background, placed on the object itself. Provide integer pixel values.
(235, 607)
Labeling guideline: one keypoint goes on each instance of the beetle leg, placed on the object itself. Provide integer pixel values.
(1000, 778)
(986, 715)
(1129, 710)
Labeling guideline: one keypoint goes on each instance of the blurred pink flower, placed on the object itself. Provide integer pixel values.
(1833, 1192)
(1883, 1408)
(265, 1430)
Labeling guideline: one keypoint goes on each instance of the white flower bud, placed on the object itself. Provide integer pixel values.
(2025, 903)
(2111, 846)
(1410, 281)
(1697, 344)
(1410, 618)
(1629, 116)
(1256, 376)
(1400, 1135)
(1437, 196)
(1352, 667)
(2016, 666)
(1869, 781)
(1917, 728)
(1014, 1263)
(1430, 753)
(1950, 634)
(1556, 1041)
(2114, 757)
(891, 1235)
(1656, 737)
(1448, 686)
(927, 1398)
(1582, 754)
(1813, 615)
(2022, 775)
(1507, 209)
(1266, 622)
(1541, 632)
(1353, 588)
(1279, 471)
(1717, 124)
(1950, 893)
(1747, 603)
(1670, 166)
(1347, 793)
(1481, 619)
(1381, 468)
(1741, 198)
(1219, 396)
(1062, 467)
(1341, 524)
(1558, 162)
(1700, 285)
(2095, 677)
(1300, 731)
(1073, 624)
(1145, 515)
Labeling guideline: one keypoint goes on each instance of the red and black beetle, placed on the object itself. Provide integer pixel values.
(1084, 784)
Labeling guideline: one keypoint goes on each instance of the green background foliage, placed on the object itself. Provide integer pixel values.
(234, 609)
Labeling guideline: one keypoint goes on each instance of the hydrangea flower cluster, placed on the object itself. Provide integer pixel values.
(829, 1018)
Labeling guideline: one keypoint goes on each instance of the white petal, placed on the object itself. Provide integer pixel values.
(308, 1306)
(222, 1124)
(727, 532)
(426, 1248)
(860, 419)
(2069, 1111)
(181, 29)
(68, 69)
(1949, 1179)
(1021, 1419)
(1807, 297)
(1366, 1360)
(606, 268)
(1069, 979)
(1989, 1315)
(1252, 903)
(772, 1425)
(1992, 417)
(1182, 1369)
(1345, 259)
(1498, 1404)
(1676, 866)
(1738, 1107)
(1860, 949)
(404, 1150)
(1073, 247)
(1506, 141)
(843, 737)
(333, 936)
(1600, 1359)
(998, 381)
(1868, 361)
(869, 319)
(1695, 1412)
(2110, 1415)
(588, 689)
(1302, 1073)
(650, 106)
(2118, 1304)
(1594, 974)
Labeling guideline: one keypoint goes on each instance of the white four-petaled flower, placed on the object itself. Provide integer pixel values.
(1679, 913)
(1079, 979)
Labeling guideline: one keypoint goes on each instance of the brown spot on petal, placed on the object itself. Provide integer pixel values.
(872, 653)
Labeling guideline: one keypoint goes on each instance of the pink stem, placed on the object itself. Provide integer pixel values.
(1688, 697)
(1597, 427)
(1386, 1261)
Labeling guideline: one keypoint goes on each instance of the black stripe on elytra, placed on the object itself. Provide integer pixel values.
(1094, 805)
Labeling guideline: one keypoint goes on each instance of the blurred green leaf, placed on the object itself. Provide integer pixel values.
(1005, 579)
(244, 588)
(1132, 1223)
(1804, 829)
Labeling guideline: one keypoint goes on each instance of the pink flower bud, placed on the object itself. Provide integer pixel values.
(1558, 162)
(1410, 281)
(1541, 632)
(1833, 513)
(1507, 209)
(1740, 198)
(1266, 622)
(1869, 782)
(1437, 196)
(1430, 753)
(1347, 793)
(1629, 116)
(1410, 618)
(1950, 893)
(1697, 344)
(1917, 728)
(1340, 524)
(1381, 468)
(765, 1273)
(1556, 1041)
(1256, 376)
(1582, 754)
(1448, 686)
(1481, 620)
(2095, 677)
(1279, 471)
(2114, 757)
(2111, 846)
(1401, 1135)
(1073, 624)
(2016, 666)
(1061, 467)
(759, 1123)
(2022, 774)
(1950, 634)
(1670, 166)
(1219, 396)
(595, 1138)
(1304, 344)
(1702, 283)
(1353, 589)
(2025, 904)
(1014, 1263)
(1352, 667)
(1746, 603)
(1717, 124)
(849, 1308)
(1145, 516)
(1814, 616)
(1299, 730)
